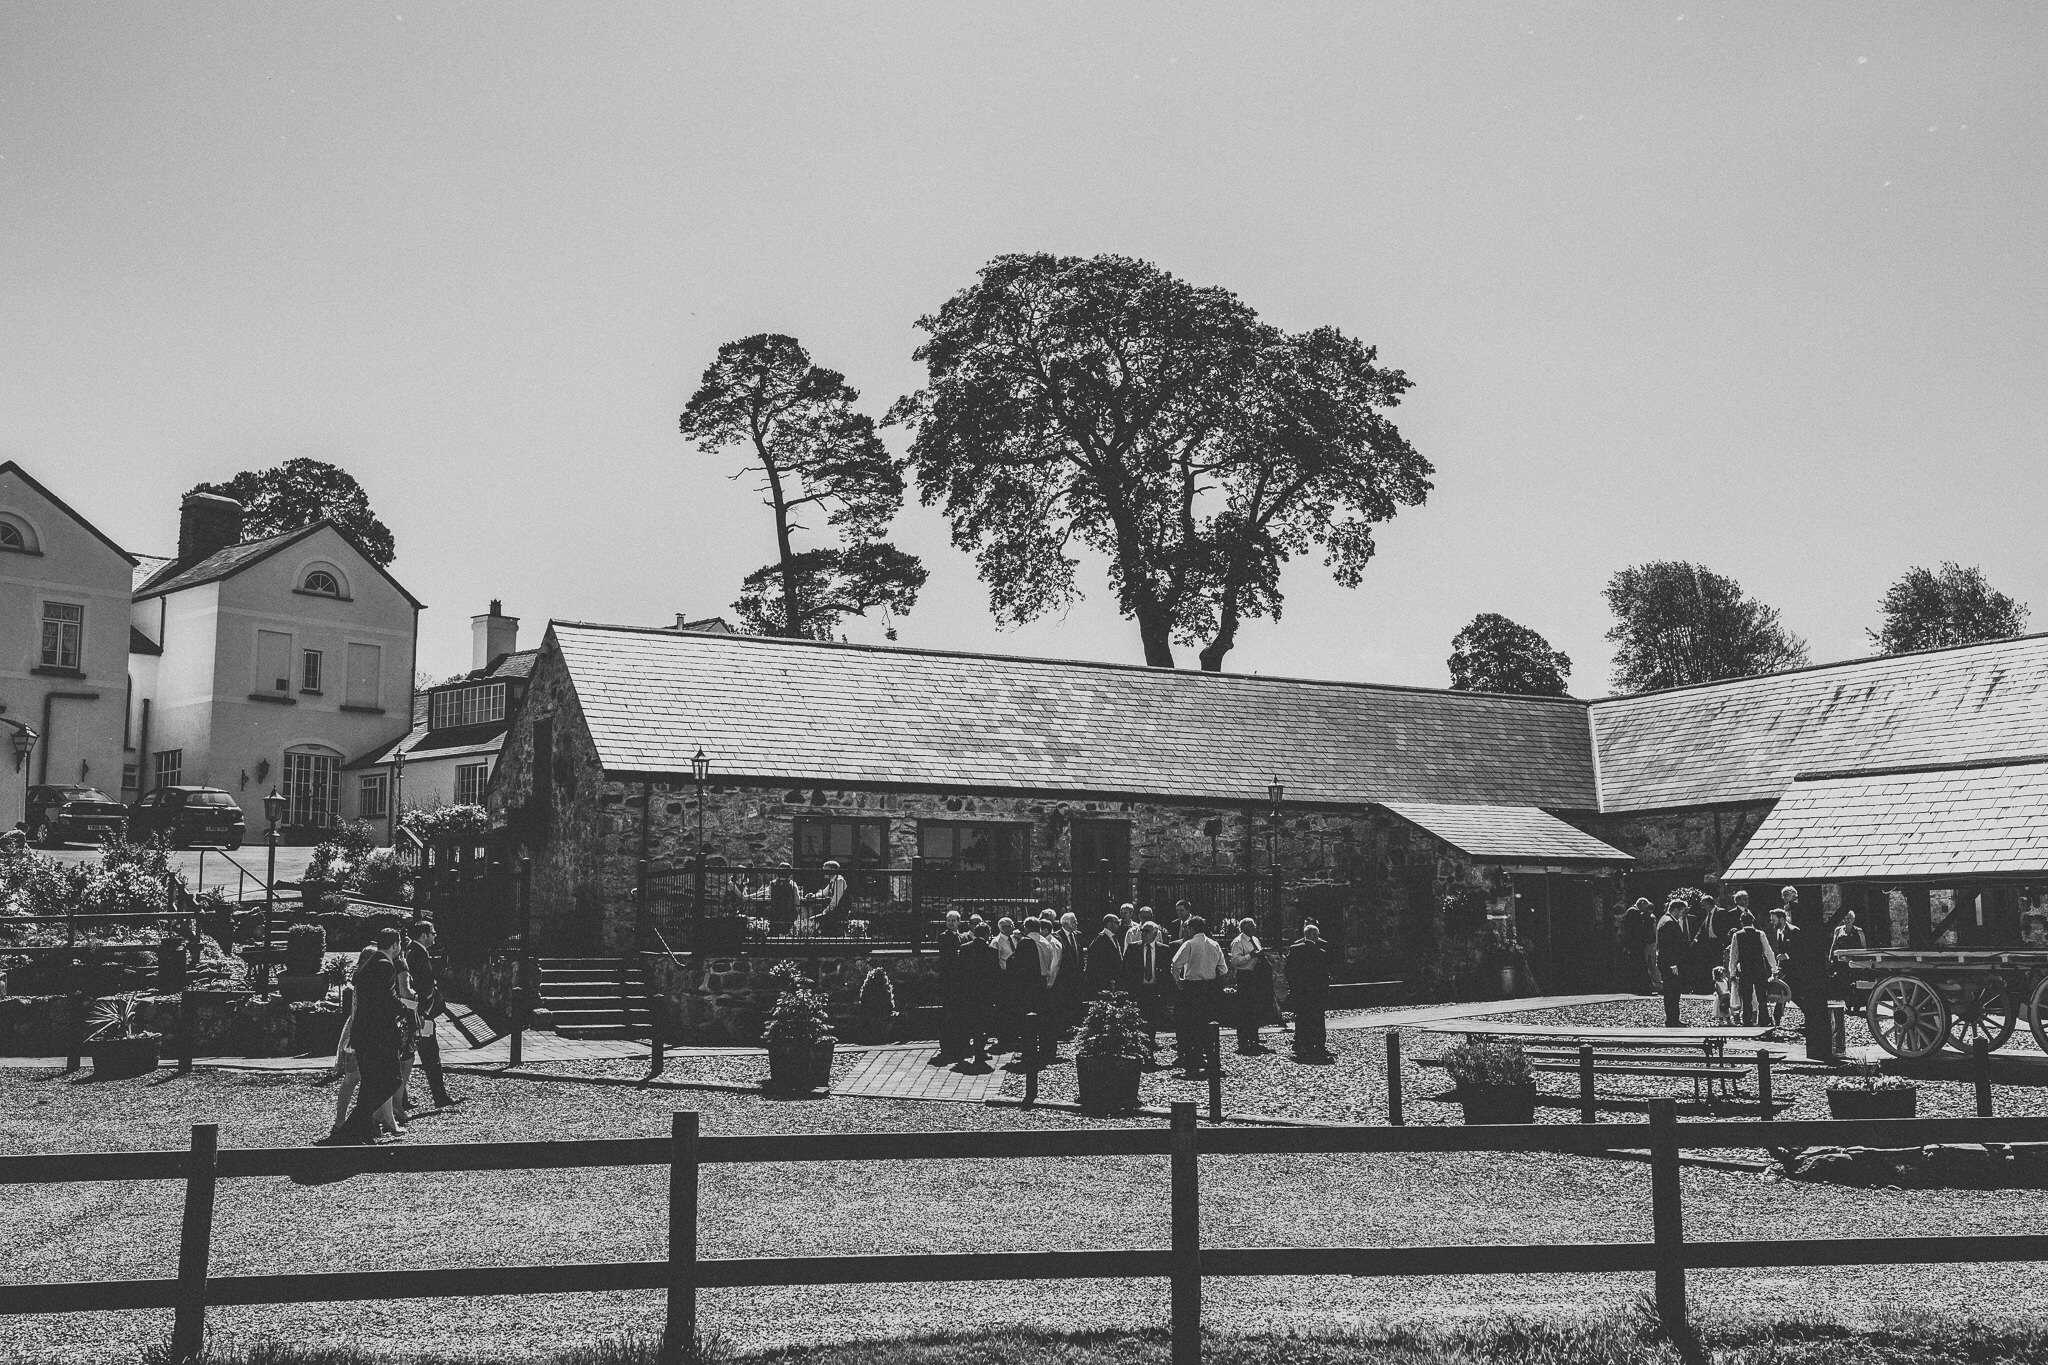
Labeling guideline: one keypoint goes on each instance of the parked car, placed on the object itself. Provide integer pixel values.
(61, 815)
(187, 815)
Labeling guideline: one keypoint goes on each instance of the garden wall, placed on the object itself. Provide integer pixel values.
(225, 1023)
(725, 1000)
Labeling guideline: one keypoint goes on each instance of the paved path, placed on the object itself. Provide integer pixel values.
(907, 1073)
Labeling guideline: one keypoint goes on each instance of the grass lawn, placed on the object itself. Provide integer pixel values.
(65, 1232)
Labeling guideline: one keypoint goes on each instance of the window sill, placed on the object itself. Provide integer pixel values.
(273, 698)
(331, 597)
(355, 710)
(20, 550)
(53, 671)
(310, 692)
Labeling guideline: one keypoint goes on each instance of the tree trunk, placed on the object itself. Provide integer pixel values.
(1225, 639)
(1157, 637)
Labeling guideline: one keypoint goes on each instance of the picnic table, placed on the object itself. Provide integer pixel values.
(1713, 1068)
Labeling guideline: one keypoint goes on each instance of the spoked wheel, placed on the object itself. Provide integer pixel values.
(1908, 1017)
(1984, 1010)
(2037, 1013)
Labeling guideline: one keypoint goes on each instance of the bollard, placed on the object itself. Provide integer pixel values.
(1980, 1072)
(1394, 1077)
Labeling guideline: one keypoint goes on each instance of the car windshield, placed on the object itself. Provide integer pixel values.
(208, 799)
(81, 794)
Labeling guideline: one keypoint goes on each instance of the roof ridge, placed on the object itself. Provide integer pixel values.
(1816, 668)
(671, 633)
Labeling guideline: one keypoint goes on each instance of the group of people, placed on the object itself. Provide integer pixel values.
(391, 1009)
(996, 978)
(1752, 966)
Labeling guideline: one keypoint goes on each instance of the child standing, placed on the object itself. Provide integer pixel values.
(1723, 1014)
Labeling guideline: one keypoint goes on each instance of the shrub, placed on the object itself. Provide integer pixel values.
(1482, 1063)
(305, 945)
(877, 993)
(799, 1019)
(1113, 1027)
(1868, 1081)
(427, 823)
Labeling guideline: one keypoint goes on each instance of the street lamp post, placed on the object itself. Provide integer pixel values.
(700, 769)
(397, 792)
(24, 744)
(1275, 793)
(273, 811)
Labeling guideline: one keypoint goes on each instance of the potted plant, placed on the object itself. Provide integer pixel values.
(799, 1048)
(305, 955)
(1868, 1095)
(1110, 1054)
(117, 1047)
(877, 1006)
(1495, 1084)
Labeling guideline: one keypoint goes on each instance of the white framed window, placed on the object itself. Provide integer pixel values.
(323, 580)
(373, 801)
(365, 675)
(131, 776)
(462, 706)
(16, 535)
(273, 662)
(470, 781)
(63, 634)
(312, 789)
(309, 671)
(169, 765)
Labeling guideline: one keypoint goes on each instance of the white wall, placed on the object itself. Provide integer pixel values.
(81, 735)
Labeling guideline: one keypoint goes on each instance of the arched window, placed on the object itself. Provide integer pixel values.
(312, 787)
(324, 583)
(15, 535)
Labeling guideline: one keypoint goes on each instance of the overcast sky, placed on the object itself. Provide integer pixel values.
(1760, 286)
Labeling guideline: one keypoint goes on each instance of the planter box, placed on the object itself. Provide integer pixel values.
(1108, 1085)
(115, 1058)
(799, 1069)
(1502, 1104)
(1873, 1104)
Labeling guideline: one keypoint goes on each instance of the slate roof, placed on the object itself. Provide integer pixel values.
(10, 467)
(1516, 834)
(1932, 823)
(146, 568)
(1745, 739)
(232, 560)
(803, 710)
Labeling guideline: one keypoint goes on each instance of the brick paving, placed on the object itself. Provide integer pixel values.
(907, 1073)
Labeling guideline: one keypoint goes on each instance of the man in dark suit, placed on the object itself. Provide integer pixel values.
(426, 986)
(1069, 987)
(1148, 976)
(1106, 957)
(1030, 991)
(1308, 987)
(981, 984)
(953, 998)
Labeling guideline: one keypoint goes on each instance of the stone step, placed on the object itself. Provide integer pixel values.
(579, 978)
(580, 963)
(598, 1031)
(607, 991)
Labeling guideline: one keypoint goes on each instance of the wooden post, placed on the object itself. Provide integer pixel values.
(186, 1026)
(522, 970)
(1666, 1217)
(1186, 1253)
(1587, 1112)
(1215, 1072)
(1030, 1058)
(1394, 1077)
(654, 1037)
(195, 1243)
(916, 905)
(1980, 1072)
(679, 1333)
(1838, 1022)
(1763, 1083)
(73, 975)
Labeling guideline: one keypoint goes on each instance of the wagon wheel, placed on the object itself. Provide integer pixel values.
(2037, 1013)
(1908, 1017)
(1984, 1010)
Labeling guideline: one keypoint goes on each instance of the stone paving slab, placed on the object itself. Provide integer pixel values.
(907, 1073)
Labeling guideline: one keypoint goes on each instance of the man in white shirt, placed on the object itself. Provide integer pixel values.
(1137, 919)
(1200, 968)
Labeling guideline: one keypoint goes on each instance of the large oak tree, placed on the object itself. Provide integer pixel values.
(300, 492)
(1930, 609)
(1104, 404)
(797, 424)
(1677, 623)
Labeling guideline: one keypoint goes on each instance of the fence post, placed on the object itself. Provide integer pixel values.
(74, 974)
(1186, 1254)
(1839, 1022)
(1763, 1083)
(1587, 1112)
(186, 1025)
(679, 1334)
(1666, 1217)
(1394, 1077)
(1215, 1072)
(917, 905)
(522, 970)
(647, 993)
(195, 1243)
(1980, 1072)
(1030, 1058)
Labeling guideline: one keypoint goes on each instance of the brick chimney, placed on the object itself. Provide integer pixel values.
(207, 522)
(493, 634)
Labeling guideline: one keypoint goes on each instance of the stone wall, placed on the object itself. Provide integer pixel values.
(725, 1000)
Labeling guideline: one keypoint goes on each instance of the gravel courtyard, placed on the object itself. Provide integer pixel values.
(64, 1232)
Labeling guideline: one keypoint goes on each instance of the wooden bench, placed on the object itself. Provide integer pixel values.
(1712, 1075)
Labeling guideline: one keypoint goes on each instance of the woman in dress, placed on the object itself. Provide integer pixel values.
(378, 1034)
(345, 1064)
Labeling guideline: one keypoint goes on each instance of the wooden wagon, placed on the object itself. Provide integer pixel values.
(1922, 1001)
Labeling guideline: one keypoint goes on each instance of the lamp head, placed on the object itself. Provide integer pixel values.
(273, 806)
(1275, 792)
(700, 766)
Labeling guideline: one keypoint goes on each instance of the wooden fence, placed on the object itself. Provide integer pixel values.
(1184, 1263)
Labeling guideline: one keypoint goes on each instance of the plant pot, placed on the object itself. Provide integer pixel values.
(801, 1068)
(1499, 1104)
(114, 1058)
(1873, 1104)
(1108, 1085)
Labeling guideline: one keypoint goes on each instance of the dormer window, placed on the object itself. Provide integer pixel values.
(321, 583)
(460, 706)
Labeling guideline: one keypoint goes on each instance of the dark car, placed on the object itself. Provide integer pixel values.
(61, 815)
(186, 816)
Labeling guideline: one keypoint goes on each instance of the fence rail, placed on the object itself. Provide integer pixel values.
(1185, 1263)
